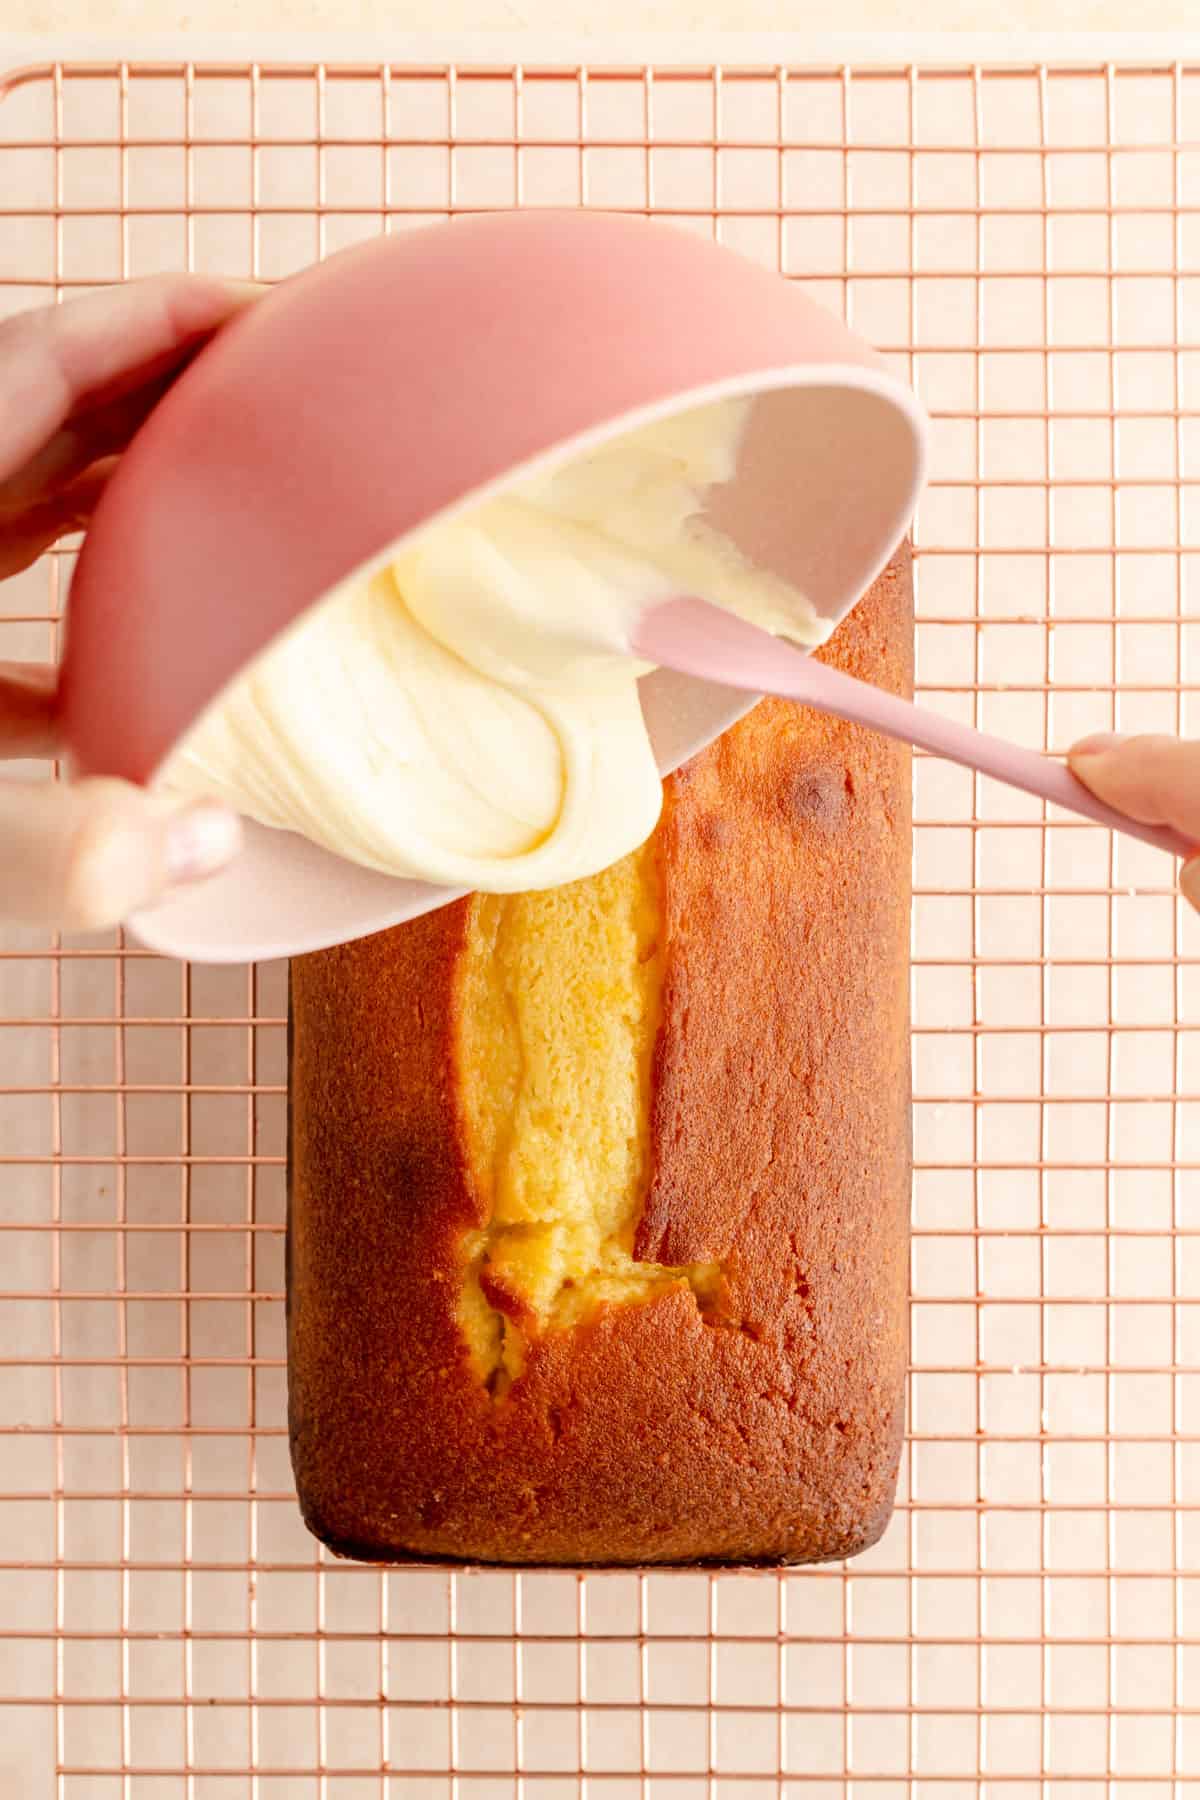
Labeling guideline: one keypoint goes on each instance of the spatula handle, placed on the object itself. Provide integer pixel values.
(700, 639)
(847, 698)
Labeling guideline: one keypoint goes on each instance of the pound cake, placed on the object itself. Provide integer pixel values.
(599, 1197)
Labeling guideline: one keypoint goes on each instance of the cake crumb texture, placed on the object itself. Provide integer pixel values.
(558, 1013)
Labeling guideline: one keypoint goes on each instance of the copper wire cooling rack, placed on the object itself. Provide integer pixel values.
(1025, 244)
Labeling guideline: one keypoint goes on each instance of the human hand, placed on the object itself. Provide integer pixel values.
(76, 381)
(1153, 778)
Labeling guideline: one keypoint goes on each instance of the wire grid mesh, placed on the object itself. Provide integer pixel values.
(1025, 244)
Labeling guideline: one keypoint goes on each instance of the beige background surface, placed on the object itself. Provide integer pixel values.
(587, 19)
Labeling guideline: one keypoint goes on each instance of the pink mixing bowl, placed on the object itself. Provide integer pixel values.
(401, 380)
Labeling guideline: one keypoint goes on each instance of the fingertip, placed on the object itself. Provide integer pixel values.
(199, 842)
(1189, 882)
(1098, 744)
(127, 854)
(200, 304)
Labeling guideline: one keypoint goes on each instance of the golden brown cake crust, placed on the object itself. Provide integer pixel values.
(780, 1148)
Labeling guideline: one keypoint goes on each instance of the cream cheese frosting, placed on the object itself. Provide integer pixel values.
(468, 713)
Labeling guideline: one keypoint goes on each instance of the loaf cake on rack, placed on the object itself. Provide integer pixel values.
(599, 1197)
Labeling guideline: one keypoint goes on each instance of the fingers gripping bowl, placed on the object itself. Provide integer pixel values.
(409, 379)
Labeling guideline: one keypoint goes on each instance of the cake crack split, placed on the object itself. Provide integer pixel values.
(559, 1008)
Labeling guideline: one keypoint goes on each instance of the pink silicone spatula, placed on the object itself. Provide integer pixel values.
(698, 639)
